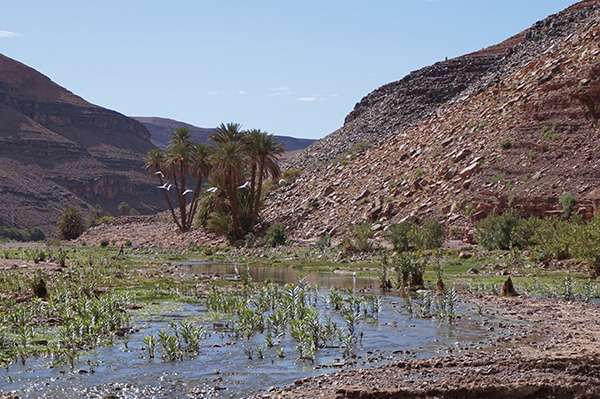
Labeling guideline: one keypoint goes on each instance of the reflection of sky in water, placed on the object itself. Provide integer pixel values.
(389, 336)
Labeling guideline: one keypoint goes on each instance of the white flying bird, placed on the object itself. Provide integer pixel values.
(159, 173)
(282, 182)
(212, 189)
(244, 185)
(165, 186)
(187, 192)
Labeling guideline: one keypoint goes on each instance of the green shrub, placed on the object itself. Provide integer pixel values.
(276, 235)
(324, 242)
(14, 234)
(362, 233)
(430, 235)
(221, 223)
(128, 243)
(123, 208)
(497, 232)
(567, 201)
(400, 235)
(36, 234)
(104, 242)
(506, 144)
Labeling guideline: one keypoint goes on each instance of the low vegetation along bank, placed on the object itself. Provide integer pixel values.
(62, 302)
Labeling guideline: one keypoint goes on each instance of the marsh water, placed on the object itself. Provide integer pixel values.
(222, 367)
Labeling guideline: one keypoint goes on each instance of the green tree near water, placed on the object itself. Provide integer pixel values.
(236, 157)
(184, 162)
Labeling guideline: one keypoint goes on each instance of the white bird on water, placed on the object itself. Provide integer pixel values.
(165, 186)
(236, 270)
(244, 185)
(212, 189)
(187, 191)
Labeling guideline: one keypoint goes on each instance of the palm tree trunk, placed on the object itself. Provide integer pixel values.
(194, 203)
(252, 187)
(160, 180)
(233, 200)
(261, 169)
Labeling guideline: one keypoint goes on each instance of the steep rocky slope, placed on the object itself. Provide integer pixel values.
(160, 128)
(513, 124)
(56, 150)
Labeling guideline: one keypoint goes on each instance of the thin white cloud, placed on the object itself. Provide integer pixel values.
(280, 91)
(225, 92)
(4, 34)
(319, 97)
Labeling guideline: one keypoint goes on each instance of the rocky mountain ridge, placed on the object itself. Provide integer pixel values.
(513, 124)
(56, 150)
(160, 128)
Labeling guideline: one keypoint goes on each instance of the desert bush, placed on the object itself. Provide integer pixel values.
(362, 233)
(71, 224)
(324, 242)
(430, 235)
(552, 237)
(567, 201)
(98, 216)
(408, 236)
(400, 235)
(220, 223)
(123, 208)
(14, 234)
(498, 232)
(36, 234)
(104, 242)
(276, 235)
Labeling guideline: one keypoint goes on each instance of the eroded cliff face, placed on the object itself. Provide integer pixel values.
(56, 149)
(514, 125)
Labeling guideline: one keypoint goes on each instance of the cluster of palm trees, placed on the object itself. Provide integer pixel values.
(235, 168)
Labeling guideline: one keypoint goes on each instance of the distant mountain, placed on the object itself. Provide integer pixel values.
(56, 150)
(160, 128)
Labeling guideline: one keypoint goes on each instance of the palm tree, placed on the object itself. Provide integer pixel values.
(156, 164)
(228, 161)
(264, 150)
(228, 132)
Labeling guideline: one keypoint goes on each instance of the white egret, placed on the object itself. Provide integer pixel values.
(159, 173)
(244, 185)
(165, 186)
(187, 191)
(282, 182)
(212, 189)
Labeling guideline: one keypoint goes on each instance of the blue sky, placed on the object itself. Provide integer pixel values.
(293, 68)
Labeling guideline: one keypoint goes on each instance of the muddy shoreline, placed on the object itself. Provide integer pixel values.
(552, 351)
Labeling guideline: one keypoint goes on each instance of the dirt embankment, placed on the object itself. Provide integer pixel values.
(551, 351)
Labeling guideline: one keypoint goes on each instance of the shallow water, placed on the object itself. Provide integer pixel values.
(222, 369)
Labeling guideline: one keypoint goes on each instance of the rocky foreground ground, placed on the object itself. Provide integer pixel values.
(551, 351)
